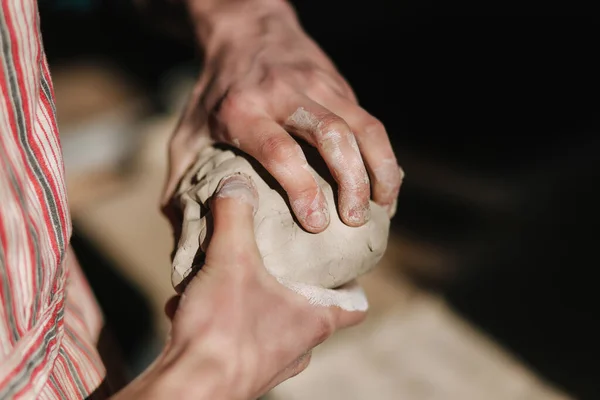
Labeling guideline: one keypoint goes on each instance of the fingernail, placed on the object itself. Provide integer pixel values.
(240, 187)
(312, 214)
(317, 219)
(359, 215)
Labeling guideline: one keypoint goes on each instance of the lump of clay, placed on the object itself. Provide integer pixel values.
(306, 262)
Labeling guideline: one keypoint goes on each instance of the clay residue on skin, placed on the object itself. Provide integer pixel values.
(349, 297)
(302, 119)
(354, 145)
(312, 212)
(331, 143)
(357, 211)
(389, 176)
(283, 171)
(283, 168)
(239, 187)
(301, 154)
(310, 264)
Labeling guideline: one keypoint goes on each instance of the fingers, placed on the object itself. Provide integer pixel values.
(346, 313)
(374, 144)
(233, 206)
(283, 158)
(318, 323)
(323, 311)
(354, 145)
(322, 322)
(336, 143)
(346, 319)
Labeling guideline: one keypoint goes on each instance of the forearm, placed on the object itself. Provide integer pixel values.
(181, 376)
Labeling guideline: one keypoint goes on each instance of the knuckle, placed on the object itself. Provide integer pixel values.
(374, 128)
(235, 103)
(323, 329)
(330, 122)
(307, 190)
(303, 363)
(278, 148)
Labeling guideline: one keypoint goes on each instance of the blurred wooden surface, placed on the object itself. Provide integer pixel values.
(412, 346)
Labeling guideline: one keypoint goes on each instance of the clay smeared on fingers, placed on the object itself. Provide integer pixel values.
(238, 187)
(309, 206)
(338, 147)
(387, 180)
(371, 138)
(349, 297)
(316, 266)
(284, 159)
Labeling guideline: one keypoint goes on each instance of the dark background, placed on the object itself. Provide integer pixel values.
(494, 115)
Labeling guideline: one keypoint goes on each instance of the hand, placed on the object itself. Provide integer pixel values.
(236, 332)
(265, 84)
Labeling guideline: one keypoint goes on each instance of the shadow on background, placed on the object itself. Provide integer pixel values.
(496, 123)
(127, 314)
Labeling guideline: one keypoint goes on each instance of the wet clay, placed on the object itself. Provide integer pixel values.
(322, 267)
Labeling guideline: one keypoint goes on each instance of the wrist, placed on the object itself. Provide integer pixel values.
(188, 375)
(179, 376)
(219, 23)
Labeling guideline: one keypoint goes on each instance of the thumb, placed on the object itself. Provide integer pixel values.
(233, 206)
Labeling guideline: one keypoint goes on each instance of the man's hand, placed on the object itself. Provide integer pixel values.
(265, 83)
(236, 332)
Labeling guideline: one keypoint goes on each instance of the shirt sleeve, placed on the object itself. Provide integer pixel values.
(44, 350)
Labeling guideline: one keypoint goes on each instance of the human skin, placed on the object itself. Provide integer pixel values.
(264, 85)
(236, 332)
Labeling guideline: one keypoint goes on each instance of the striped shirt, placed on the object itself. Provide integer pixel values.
(49, 320)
